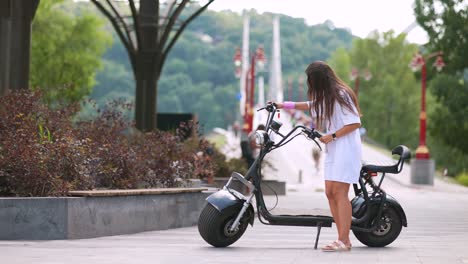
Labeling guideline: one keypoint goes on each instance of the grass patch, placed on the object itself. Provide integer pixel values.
(462, 179)
(217, 139)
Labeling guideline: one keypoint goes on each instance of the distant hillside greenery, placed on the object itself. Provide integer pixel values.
(199, 73)
(198, 76)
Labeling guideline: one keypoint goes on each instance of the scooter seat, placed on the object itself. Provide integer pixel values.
(378, 168)
(400, 150)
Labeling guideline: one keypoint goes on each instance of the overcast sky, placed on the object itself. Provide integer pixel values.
(361, 16)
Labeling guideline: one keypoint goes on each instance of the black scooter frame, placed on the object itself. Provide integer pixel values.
(365, 205)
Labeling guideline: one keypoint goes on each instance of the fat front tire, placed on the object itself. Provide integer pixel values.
(386, 233)
(213, 226)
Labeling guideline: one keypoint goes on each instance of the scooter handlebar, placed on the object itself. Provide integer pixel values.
(312, 134)
(270, 107)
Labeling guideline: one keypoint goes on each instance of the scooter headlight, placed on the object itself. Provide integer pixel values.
(261, 137)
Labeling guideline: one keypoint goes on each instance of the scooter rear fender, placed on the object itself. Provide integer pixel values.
(225, 201)
(392, 202)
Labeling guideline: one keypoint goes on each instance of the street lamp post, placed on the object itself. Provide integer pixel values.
(422, 168)
(261, 61)
(238, 73)
(238, 62)
(419, 63)
(355, 74)
(258, 59)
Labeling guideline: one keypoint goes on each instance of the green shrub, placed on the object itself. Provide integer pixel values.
(44, 153)
(224, 168)
(463, 178)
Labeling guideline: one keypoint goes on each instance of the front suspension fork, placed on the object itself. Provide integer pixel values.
(247, 200)
(235, 224)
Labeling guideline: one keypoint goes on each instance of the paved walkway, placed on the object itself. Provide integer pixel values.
(372, 155)
(436, 233)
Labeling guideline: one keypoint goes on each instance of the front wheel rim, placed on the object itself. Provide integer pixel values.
(227, 227)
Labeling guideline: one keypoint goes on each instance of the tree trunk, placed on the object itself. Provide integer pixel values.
(146, 92)
(145, 67)
(15, 43)
(20, 42)
(4, 50)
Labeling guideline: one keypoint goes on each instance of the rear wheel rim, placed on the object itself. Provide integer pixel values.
(385, 227)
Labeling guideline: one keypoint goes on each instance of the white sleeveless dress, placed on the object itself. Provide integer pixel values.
(343, 156)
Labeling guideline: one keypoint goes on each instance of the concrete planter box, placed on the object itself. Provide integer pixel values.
(99, 213)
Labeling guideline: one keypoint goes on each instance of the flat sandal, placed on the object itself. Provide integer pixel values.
(336, 246)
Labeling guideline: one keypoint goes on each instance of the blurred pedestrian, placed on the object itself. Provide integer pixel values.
(316, 153)
(235, 127)
(249, 148)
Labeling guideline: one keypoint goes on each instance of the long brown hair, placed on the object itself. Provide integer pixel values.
(325, 88)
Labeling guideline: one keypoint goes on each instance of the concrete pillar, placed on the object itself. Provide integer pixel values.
(422, 171)
(245, 66)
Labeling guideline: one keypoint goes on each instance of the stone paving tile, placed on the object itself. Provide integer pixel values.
(441, 260)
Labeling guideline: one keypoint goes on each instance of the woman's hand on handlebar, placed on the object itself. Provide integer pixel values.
(326, 139)
(278, 105)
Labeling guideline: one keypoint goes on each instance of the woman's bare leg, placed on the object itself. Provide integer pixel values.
(330, 192)
(344, 211)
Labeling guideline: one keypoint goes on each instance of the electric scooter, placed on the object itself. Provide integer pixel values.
(377, 217)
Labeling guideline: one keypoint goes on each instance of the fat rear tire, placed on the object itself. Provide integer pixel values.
(386, 234)
(213, 226)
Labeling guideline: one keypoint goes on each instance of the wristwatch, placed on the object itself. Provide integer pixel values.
(334, 136)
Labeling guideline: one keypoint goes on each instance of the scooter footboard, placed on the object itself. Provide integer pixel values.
(224, 201)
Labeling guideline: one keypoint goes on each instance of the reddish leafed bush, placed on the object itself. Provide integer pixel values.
(44, 153)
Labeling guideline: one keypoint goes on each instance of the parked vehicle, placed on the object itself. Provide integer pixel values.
(377, 221)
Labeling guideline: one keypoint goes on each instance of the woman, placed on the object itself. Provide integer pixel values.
(335, 107)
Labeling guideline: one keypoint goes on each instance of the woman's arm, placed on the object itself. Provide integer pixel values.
(304, 106)
(347, 129)
(340, 132)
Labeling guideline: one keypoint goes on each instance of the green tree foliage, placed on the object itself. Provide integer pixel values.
(446, 22)
(448, 123)
(390, 100)
(198, 75)
(340, 61)
(450, 117)
(66, 50)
